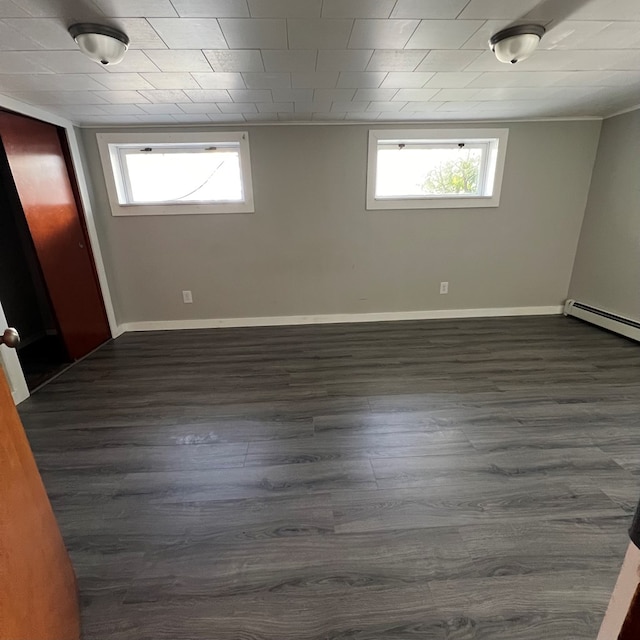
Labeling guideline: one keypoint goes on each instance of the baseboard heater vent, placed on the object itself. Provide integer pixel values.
(619, 324)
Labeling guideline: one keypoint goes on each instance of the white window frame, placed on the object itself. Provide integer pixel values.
(494, 141)
(111, 144)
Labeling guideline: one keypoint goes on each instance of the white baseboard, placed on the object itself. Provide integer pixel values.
(336, 318)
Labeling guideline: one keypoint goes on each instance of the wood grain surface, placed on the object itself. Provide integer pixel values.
(446, 480)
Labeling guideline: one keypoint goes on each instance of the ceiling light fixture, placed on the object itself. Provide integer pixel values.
(103, 44)
(517, 43)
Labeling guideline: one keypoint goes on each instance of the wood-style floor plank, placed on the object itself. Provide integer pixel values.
(441, 480)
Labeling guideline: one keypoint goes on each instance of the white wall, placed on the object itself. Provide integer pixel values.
(312, 248)
(607, 267)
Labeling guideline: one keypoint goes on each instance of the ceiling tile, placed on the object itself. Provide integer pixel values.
(422, 107)
(417, 95)
(380, 95)
(122, 81)
(457, 95)
(250, 95)
(318, 34)
(166, 95)
(13, 40)
(136, 8)
(311, 107)
(562, 60)
(57, 61)
(84, 110)
(267, 81)
(600, 10)
(595, 78)
(211, 8)
(285, 8)
(447, 60)
(122, 109)
(106, 120)
(226, 118)
(200, 107)
(161, 108)
(274, 107)
(36, 33)
(189, 33)
(9, 9)
(457, 106)
(141, 34)
(58, 97)
(347, 60)
(70, 10)
(395, 60)
(512, 78)
(385, 106)
(173, 81)
(191, 118)
(480, 39)
(234, 60)
(238, 107)
(289, 60)
(333, 95)
(292, 95)
(258, 117)
(314, 80)
(208, 95)
(406, 80)
(345, 107)
(51, 82)
(593, 35)
(451, 79)
(329, 117)
(359, 116)
(443, 34)
(497, 9)
(219, 80)
(357, 8)
(361, 79)
(134, 62)
(381, 34)
(513, 93)
(18, 62)
(262, 33)
(120, 97)
(179, 60)
(428, 9)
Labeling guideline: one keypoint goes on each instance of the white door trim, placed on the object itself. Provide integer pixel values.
(11, 365)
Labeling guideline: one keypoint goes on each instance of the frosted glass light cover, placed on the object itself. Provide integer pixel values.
(516, 48)
(101, 48)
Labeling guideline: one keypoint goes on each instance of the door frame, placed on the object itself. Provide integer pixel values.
(9, 358)
(11, 365)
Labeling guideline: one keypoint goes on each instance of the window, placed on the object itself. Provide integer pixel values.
(160, 174)
(426, 169)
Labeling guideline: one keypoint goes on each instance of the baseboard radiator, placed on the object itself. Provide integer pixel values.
(619, 324)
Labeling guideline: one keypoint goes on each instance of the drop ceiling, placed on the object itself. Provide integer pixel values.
(235, 61)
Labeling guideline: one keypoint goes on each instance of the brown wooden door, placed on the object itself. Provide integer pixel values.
(40, 175)
(38, 594)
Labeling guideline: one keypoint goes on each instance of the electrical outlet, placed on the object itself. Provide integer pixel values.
(444, 287)
(187, 298)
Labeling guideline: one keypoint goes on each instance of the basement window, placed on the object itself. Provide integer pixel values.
(435, 169)
(168, 174)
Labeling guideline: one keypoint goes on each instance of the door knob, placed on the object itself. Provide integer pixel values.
(10, 338)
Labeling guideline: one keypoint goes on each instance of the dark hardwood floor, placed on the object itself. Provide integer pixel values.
(458, 479)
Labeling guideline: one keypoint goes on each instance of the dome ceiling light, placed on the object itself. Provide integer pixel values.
(517, 43)
(102, 44)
